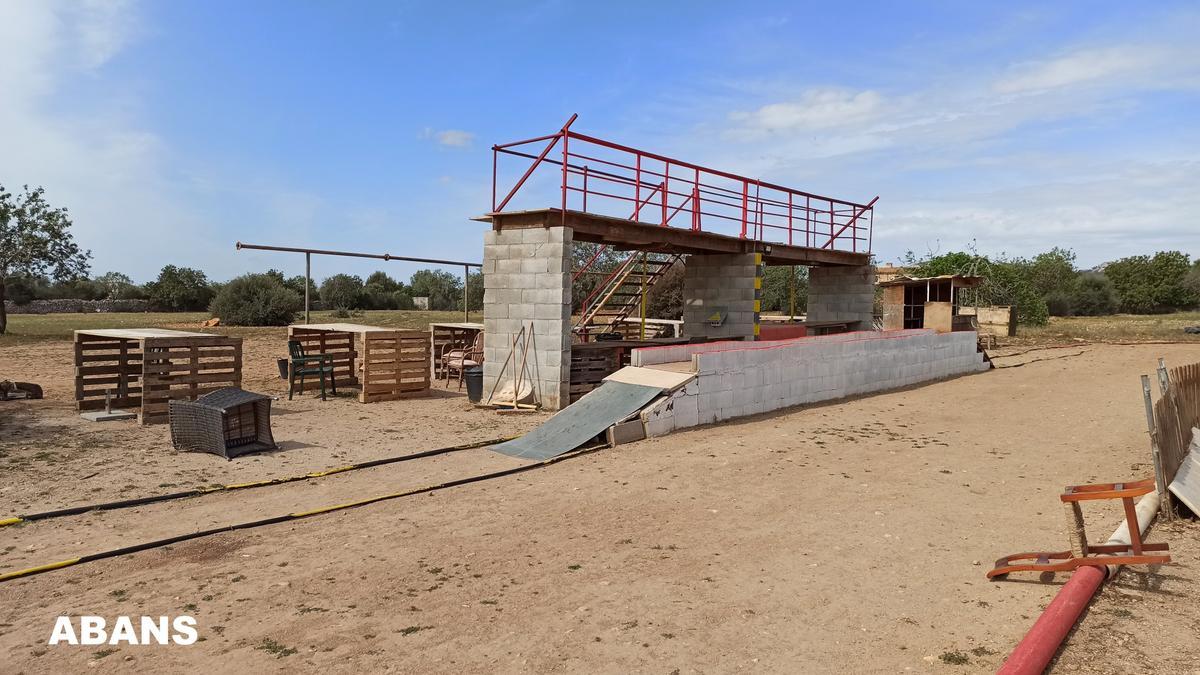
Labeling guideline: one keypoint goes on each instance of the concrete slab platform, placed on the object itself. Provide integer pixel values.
(108, 416)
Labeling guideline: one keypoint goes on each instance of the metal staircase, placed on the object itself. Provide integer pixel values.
(619, 295)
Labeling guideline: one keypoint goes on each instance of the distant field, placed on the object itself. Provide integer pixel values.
(33, 327)
(1118, 328)
(30, 327)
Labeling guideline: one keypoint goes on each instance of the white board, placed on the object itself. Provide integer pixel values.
(1186, 486)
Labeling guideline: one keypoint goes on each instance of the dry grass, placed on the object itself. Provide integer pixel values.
(25, 328)
(1116, 328)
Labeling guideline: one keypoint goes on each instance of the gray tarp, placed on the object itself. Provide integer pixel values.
(581, 421)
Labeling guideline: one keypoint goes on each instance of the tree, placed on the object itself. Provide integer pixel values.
(475, 292)
(341, 291)
(1094, 296)
(256, 300)
(603, 260)
(783, 284)
(180, 289)
(664, 300)
(1053, 272)
(297, 283)
(443, 289)
(117, 286)
(1006, 281)
(1148, 285)
(35, 239)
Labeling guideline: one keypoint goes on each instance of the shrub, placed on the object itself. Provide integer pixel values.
(1094, 296)
(1152, 284)
(342, 291)
(180, 289)
(1059, 303)
(256, 300)
(402, 300)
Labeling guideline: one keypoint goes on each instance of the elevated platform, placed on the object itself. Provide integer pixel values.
(626, 234)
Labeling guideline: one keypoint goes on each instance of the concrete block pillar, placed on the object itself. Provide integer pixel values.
(725, 282)
(842, 293)
(527, 280)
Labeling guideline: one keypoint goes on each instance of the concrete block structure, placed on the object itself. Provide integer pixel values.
(527, 281)
(726, 284)
(736, 380)
(845, 293)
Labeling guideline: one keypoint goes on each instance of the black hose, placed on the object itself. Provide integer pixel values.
(158, 543)
(141, 501)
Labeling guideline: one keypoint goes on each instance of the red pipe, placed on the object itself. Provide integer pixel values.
(1040, 645)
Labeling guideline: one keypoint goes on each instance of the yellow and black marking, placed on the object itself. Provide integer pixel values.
(759, 271)
(158, 543)
(154, 499)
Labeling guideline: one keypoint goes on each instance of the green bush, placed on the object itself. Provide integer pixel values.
(342, 291)
(180, 289)
(1060, 303)
(1094, 296)
(256, 300)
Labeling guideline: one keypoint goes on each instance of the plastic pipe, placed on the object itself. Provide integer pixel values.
(1041, 643)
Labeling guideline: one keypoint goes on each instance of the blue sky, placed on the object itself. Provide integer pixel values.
(173, 129)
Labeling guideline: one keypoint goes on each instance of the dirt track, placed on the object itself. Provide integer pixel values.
(845, 537)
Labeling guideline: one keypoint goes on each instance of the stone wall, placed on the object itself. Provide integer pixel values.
(69, 306)
(747, 379)
(729, 282)
(841, 294)
(527, 279)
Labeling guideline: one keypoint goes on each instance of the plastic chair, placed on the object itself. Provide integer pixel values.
(303, 364)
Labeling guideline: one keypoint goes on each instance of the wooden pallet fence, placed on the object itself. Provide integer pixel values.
(339, 344)
(395, 364)
(104, 364)
(1176, 413)
(184, 369)
(589, 367)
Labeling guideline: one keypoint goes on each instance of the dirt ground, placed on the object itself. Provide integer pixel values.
(852, 536)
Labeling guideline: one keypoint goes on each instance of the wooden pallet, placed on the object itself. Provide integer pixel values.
(395, 365)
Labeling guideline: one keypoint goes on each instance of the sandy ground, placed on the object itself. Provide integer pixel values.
(845, 537)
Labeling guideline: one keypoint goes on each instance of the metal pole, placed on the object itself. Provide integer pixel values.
(1159, 479)
(307, 282)
(643, 331)
(466, 296)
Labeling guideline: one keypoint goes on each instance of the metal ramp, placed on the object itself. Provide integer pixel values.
(623, 394)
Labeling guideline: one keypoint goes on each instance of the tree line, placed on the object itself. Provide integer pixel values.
(1050, 284)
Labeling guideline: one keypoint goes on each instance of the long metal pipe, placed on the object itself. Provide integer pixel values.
(1041, 643)
(348, 254)
(308, 253)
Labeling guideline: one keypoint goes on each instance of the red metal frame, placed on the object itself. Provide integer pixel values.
(606, 174)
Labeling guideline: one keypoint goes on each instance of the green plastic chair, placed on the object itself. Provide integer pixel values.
(302, 365)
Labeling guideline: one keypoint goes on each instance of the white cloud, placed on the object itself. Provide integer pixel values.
(1062, 150)
(451, 138)
(1088, 66)
(815, 109)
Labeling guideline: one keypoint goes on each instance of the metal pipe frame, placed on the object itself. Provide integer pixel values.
(843, 224)
(309, 252)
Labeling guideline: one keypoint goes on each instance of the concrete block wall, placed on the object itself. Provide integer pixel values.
(649, 356)
(527, 279)
(841, 294)
(746, 380)
(730, 281)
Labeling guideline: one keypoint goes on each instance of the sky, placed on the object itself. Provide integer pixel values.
(171, 130)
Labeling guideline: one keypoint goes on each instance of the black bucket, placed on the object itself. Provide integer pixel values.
(283, 367)
(473, 375)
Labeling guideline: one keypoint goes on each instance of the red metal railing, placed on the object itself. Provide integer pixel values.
(607, 178)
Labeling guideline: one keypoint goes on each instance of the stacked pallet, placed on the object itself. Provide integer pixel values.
(395, 365)
(146, 368)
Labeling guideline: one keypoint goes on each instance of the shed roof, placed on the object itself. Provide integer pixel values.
(961, 280)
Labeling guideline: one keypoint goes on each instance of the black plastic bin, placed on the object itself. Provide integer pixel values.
(473, 375)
